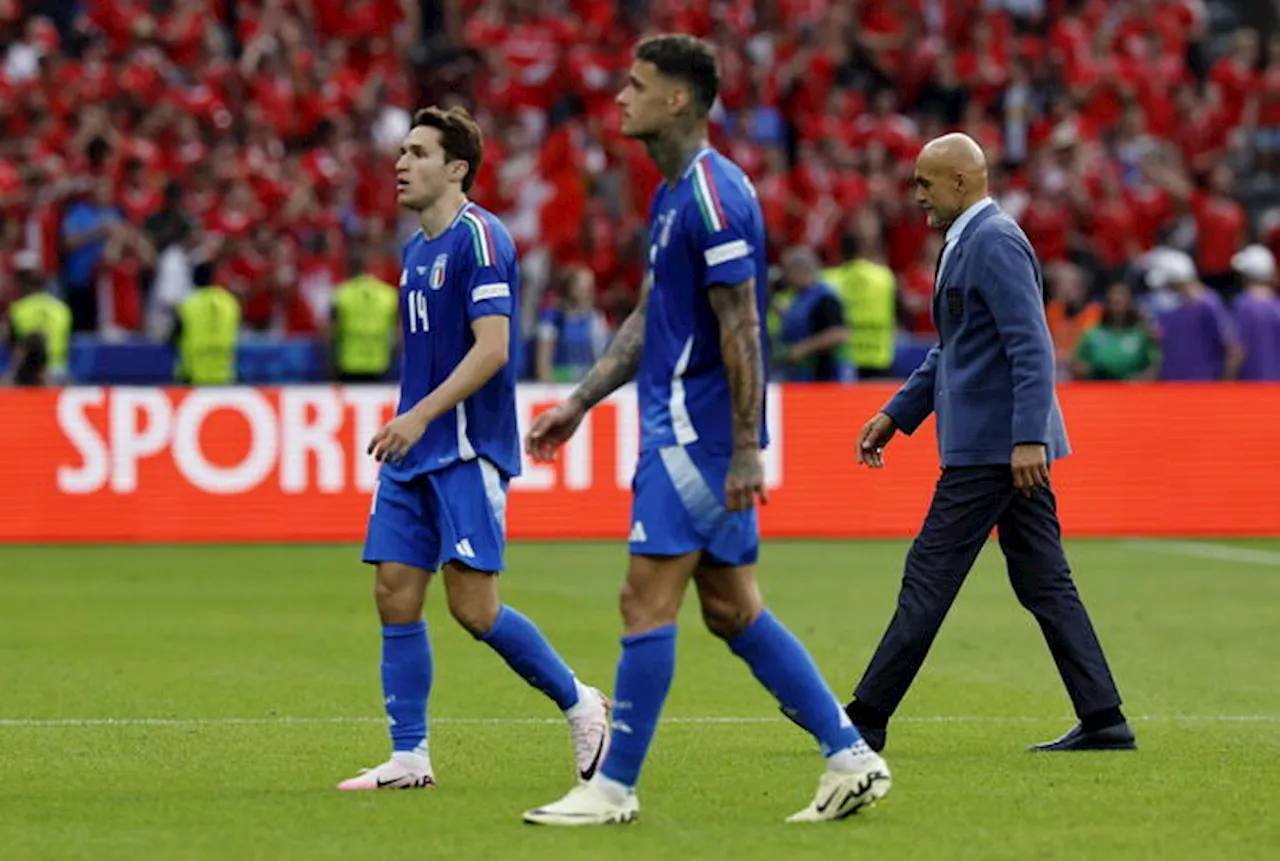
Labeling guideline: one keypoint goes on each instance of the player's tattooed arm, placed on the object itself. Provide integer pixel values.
(740, 346)
(620, 362)
(741, 350)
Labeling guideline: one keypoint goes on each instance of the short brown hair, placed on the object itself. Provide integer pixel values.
(687, 59)
(460, 137)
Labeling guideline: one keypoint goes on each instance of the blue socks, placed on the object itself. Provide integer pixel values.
(645, 671)
(406, 681)
(780, 663)
(526, 651)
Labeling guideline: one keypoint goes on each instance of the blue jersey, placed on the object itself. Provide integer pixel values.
(706, 230)
(468, 271)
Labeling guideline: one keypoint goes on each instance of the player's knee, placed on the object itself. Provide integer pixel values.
(474, 612)
(727, 620)
(398, 604)
(398, 596)
(726, 617)
(644, 609)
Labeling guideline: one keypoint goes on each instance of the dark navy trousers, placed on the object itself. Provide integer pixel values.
(968, 502)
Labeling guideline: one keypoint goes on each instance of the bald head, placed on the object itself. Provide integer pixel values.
(951, 176)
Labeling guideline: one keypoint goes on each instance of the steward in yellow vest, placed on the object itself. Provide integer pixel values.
(39, 328)
(205, 337)
(868, 292)
(365, 311)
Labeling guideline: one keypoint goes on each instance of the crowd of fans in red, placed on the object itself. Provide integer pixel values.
(259, 137)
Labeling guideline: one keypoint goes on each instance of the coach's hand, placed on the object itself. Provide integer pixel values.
(1030, 467)
(552, 429)
(745, 480)
(395, 439)
(875, 435)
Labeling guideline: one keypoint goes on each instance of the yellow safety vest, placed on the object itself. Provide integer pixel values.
(47, 315)
(207, 343)
(365, 311)
(867, 290)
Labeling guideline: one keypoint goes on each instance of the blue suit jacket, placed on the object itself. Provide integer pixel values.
(990, 378)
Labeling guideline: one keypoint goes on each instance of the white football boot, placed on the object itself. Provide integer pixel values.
(589, 726)
(399, 772)
(586, 805)
(844, 793)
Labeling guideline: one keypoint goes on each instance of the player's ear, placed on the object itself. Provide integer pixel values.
(679, 99)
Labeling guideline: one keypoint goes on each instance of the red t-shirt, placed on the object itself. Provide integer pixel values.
(1269, 100)
(1048, 224)
(1152, 210)
(1111, 230)
(1235, 84)
(1220, 231)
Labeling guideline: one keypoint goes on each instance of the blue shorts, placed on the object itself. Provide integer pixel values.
(678, 507)
(455, 514)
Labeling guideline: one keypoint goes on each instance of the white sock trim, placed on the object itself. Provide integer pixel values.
(416, 759)
(854, 758)
(612, 789)
(584, 702)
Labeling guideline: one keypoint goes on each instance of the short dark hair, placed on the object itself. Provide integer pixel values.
(688, 59)
(460, 137)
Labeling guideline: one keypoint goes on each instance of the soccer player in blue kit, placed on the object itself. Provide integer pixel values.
(447, 456)
(694, 345)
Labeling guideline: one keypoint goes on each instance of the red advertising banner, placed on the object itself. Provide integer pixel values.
(288, 464)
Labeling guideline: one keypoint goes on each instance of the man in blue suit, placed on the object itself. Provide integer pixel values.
(990, 382)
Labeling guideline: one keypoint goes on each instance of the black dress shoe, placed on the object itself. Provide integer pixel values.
(873, 736)
(1116, 737)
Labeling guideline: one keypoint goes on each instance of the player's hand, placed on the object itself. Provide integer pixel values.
(552, 429)
(872, 439)
(397, 436)
(1030, 467)
(745, 481)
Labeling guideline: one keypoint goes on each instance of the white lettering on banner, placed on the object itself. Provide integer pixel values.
(773, 421)
(305, 442)
(264, 441)
(627, 443)
(575, 454)
(92, 474)
(129, 442)
(370, 404)
(301, 437)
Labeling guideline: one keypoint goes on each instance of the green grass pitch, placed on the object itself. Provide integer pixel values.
(242, 683)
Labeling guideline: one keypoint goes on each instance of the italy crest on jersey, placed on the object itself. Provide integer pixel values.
(437, 271)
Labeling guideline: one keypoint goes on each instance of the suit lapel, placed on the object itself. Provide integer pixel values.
(953, 259)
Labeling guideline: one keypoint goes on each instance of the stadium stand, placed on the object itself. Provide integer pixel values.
(149, 145)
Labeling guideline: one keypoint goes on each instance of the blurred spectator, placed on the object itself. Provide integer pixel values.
(39, 328)
(1221, 230)
(205, 336)
(258, 138)
(86, 227)
(1069, 311)
(1121, 346)
(365, 326)
(1264, 111)
(814, 343)
(1257, 314)
(1197, 336)
(572, 332)
(916, 295)
(867, 289)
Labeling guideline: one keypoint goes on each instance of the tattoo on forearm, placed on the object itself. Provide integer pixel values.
(743, 362)
(620, 362)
